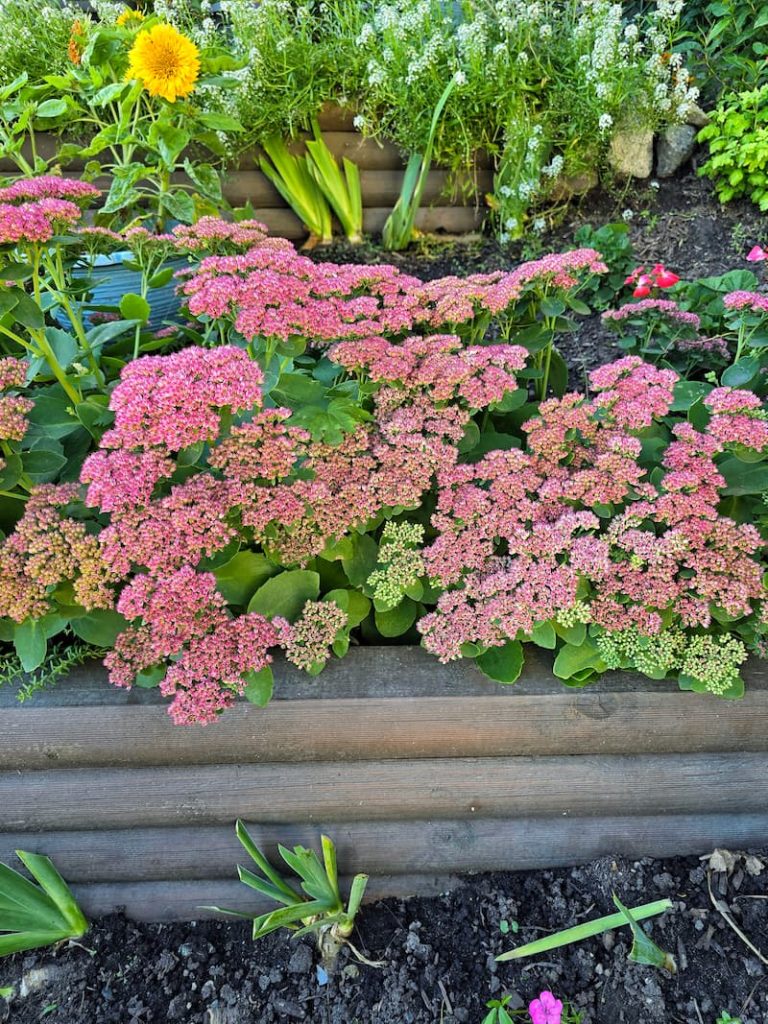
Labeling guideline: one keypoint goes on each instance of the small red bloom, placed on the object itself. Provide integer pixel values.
(757, 254)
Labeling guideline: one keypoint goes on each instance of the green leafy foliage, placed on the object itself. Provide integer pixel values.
(34, 915)
(738, 147)
(318, 908)
(586, 930)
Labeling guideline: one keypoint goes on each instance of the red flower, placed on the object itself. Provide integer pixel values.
(757, 254)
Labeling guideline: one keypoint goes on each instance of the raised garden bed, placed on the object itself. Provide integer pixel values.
(446, 206)
(419, 772)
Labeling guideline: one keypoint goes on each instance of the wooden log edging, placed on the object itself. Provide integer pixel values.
(446, 206)
(420, 772)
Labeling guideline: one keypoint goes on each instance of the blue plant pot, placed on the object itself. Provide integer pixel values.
(115, 280)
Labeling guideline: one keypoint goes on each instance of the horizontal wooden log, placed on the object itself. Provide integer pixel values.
(79, 798)
(390, 847)
(389, 672)
(185, 901)
(378, 728)
(380, 188)
(450, 220)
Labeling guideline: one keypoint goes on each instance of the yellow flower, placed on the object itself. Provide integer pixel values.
(129, 16)
(166, 62)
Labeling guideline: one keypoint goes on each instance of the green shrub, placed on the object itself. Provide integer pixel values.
(738, 147)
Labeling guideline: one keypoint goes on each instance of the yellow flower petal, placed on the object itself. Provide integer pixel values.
(166, 62)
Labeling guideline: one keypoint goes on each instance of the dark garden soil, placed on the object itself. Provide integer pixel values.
(438, 953)
(679, 223)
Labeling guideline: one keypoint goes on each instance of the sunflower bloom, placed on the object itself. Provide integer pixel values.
(166, 62)
(129, 18)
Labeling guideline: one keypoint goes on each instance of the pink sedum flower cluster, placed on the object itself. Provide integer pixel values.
(276, 293)
(664, 551)
(755, 302)
(663, 307)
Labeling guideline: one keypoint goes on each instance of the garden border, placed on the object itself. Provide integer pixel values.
(446, 206)
(419, 771)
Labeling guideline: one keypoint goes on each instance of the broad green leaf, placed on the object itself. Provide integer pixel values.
(744, 477)
(30, 644)
(41, 465)
(543, 635)
(644, 950)
(571, 660)
(239, 578)
(63, 345)
(99, 627)
(134, 307)
(397, 620)
(286, 594)
(503, 664)
(363, 560)
(51, 108)
(259, 686)
(179, 205)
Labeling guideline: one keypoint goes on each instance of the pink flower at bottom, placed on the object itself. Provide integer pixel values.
(546, 1009)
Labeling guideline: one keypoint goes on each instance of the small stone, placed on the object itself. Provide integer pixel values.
(569, 185)
(38, 978)
(228, 995)
(631, 153)
(287, 1008)
(696, 116)
(208, 991)
(675, 147)
(301, 961)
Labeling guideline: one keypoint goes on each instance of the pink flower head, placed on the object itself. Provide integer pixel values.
(662, 277)
(634, 276)
(546, 1009)
(756, 302)
(645, 281)
(49, 186)
(757, 254)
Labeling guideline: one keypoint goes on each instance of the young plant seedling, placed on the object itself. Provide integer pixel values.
(36, 915)
(644, 950)
(588, 930)
(293, 179)
(319, 909)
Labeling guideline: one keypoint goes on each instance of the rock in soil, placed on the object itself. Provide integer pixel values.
(439, 954)
(675, 147)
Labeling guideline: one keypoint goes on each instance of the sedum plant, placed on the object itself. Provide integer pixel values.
(318, 909)
(36, 915)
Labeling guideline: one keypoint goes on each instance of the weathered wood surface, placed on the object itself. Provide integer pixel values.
(390, 847)
(452, 207)
(79, 798)
(185, 901)
(379, 728)
(416, 769)
(392, 672)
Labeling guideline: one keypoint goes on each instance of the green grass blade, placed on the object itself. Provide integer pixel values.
(356, 893)
(19, 941)
(585, 931)
(644, 949)
(266, 888)
(56, 889)
(261, 861)
(398, 229)
(292, 179)
(331, 867)
(338, 189)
